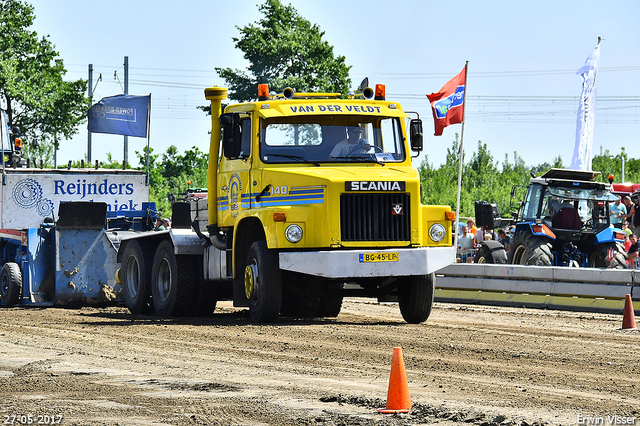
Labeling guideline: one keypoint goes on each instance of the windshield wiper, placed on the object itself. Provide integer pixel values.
(296, 157)
(358, 159)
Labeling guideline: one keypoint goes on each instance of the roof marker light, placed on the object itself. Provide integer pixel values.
(263, 92)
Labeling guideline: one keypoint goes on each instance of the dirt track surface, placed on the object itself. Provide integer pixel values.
(465, 365)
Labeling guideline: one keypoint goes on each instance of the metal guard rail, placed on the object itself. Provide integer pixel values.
(578, 289)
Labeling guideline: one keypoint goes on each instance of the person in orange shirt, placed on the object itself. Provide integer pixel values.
(471, 226)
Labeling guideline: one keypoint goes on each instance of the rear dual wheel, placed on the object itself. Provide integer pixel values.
(135, 278)
(173, 282)
(529, 249)
(611, 255)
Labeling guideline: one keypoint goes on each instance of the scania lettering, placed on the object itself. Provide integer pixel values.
(375, 186)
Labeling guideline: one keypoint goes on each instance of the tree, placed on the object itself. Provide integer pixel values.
(285, 50)
(37, 99)
(173, 174)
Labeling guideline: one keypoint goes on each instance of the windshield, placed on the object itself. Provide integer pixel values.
(591, 205)
(582, 194)
(344, 139)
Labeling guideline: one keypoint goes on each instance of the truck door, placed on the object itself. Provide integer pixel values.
(234, 179)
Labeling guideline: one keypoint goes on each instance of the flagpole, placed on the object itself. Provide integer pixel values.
(148, 137)
(464, 110)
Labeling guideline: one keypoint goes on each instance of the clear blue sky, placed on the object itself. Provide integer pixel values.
(522, 92)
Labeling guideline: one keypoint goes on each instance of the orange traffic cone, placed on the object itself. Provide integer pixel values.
(628, 318)
(398, 399)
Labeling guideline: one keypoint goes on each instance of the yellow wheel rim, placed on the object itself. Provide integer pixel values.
(250, 274)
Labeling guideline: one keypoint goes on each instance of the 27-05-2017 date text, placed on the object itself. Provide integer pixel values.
(31, 419)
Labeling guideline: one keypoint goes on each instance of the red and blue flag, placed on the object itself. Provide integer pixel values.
(448, 103)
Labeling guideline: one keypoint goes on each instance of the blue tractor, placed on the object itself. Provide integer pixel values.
(564, 221)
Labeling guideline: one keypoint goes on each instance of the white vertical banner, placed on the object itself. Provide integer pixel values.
(583, 151)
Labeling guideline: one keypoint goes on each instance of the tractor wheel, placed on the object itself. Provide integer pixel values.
(135, 276)
(173, 282)
(263, 283)
(490, 252)
(614, 251)
(528, 249)
(415, 297)
(10, 284)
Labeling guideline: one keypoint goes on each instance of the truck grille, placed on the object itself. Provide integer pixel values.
(370, 217)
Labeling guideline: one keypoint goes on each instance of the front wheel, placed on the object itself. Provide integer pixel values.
(415, 297)
(330, 305)
(10, 284)
(263, 283)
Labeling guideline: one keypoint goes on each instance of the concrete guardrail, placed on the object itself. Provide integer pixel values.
(578, 289)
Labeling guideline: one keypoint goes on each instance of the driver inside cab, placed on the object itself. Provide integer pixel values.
(352, 145)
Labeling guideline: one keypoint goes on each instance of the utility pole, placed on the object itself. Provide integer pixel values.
(90, 93)
(126, 92)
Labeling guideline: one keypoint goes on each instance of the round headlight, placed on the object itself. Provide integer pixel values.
(293, 233)
(437, 232)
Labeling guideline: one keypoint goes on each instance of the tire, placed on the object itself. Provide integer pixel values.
(263, 283)
(10, 284)
(205, 291)
(490, 253)
(135, 277)
(598, 257)
(299, 306)
(415, 297)
(173, 282)
(528, 249)
(330, 306)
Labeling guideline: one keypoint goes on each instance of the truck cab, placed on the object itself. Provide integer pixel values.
(327, 183)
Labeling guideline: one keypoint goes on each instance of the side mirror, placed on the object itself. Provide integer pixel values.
(231, 135)
(415, 132)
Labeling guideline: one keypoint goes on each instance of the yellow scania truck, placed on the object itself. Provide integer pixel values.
(311, 198)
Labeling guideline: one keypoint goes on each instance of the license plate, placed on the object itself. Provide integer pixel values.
(379, 257)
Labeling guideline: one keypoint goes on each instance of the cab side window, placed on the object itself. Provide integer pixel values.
(245, 150)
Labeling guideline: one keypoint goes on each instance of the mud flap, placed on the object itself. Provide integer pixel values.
(82, 215)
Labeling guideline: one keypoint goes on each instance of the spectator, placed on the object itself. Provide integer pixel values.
(617, 210)
(627, 243)
(159, 225)
(471, 226)
(167, 223)
(631, 209)
(465, 244)
(632, 254)
(504, 239)
(485, 233)
(625, 228)
(466, 240)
